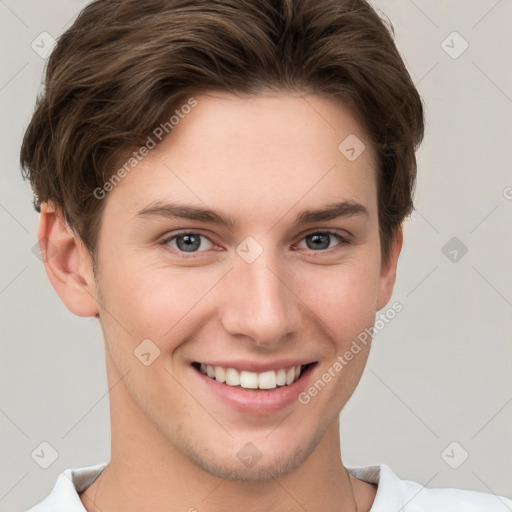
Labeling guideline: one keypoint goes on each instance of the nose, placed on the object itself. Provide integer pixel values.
(259, 302)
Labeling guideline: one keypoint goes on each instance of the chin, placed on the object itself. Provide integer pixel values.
(248, 463)
(264, 469)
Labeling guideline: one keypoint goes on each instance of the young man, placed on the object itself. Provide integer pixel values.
(222, 184)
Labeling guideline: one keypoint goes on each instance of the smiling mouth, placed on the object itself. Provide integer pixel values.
(267, 380)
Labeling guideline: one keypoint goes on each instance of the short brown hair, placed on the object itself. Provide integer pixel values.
(124, 65)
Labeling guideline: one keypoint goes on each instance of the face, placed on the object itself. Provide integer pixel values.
(262, 290)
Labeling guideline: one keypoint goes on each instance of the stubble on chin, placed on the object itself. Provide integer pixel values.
(232, 469)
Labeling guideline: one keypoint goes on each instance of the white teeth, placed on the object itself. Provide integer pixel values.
(249, 380)
(220, 374)
(252, 380)
(232, 377)
(281, 377)
(267, 380)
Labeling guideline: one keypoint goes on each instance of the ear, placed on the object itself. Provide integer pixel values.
(67, 262)
(388, 270)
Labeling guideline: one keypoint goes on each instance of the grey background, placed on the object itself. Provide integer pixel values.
(438, 373)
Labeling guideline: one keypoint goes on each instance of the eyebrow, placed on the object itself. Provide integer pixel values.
(171, 210)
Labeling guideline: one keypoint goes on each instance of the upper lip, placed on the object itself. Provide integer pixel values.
(253, 366)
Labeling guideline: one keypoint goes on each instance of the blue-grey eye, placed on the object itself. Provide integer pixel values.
(321, 240)
(188, 242)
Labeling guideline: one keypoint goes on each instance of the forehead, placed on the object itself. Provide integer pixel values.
(255, 154)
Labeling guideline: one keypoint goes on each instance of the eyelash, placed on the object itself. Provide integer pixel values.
(343, 241)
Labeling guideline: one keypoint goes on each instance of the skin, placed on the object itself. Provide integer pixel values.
(261, 160)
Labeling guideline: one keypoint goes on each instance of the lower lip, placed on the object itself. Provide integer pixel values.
(258, 402)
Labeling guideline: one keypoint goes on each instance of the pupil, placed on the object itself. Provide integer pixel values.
(321, 241)
(191, 243)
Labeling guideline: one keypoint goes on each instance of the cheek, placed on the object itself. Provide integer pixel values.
(343, 303)
(157, 301)
(342, 296)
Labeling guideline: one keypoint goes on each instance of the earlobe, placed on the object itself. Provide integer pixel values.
(67, 262)
(388, 270)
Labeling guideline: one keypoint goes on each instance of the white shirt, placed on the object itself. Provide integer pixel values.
(393, 494)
